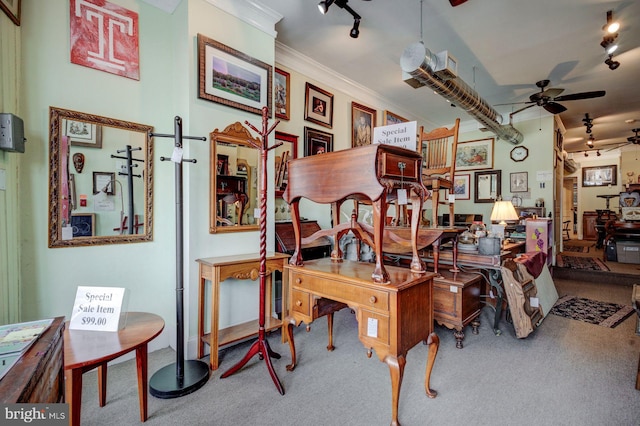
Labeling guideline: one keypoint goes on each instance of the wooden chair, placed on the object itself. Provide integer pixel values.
(565, 229)
(439, 166)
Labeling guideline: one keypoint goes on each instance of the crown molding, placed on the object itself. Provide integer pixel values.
(252, 12)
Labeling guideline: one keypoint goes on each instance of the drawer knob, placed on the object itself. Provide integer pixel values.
(373, 299)
(298, 302)
(298, 280)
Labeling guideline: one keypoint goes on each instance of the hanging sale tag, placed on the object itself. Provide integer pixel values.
(176, 156)
(402, 196)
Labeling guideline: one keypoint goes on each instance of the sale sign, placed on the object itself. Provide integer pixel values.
(97, 308)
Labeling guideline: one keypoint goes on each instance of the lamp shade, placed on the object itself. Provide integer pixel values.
(503, 211)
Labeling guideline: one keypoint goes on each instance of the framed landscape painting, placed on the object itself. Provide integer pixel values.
(475, 155)
(232, 78)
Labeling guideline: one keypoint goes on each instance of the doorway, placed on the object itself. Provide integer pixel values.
(570, 203)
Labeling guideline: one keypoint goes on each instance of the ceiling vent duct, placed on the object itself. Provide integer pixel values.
(422, 68)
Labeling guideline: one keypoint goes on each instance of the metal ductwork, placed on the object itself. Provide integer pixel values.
(423, 68)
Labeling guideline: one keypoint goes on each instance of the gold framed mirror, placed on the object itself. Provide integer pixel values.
(100, 180)
(234, 180)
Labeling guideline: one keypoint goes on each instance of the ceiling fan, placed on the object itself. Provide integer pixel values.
(549, 98)
(635, 140)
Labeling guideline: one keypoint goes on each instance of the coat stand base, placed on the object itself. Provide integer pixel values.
(166, 384)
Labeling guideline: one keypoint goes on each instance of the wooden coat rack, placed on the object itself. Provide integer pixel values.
(261, 346)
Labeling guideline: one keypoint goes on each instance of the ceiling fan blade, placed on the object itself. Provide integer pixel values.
(616, 146)
(554, 108)
(583, 95)
(513, 103)
(520, 110)
(552, 93)
(455, 3)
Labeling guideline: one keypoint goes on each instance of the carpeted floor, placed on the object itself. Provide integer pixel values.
(576, 249)
(591, 311)
(577, 262)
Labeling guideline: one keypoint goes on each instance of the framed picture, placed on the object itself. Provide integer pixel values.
(363, 120)
(488, 186)
(391, 118)
(104, 181)
(519, 182)
(317, 142)
(462, 187)
(318, 106)
(83, 224)
(600, 176)
(85, 134)
(12, 9)
(282, 83)
(474, 155)
(232, 78)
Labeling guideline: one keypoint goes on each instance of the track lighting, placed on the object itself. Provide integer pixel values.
(355, 31)
(612, 26)
(586, 154)
(598, 153)
(323, 6)
(609, 43)
(611, 63)
(591, 141)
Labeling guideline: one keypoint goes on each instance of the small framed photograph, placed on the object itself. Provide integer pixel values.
(317, 142)
(462, 187)
(83, 224)
(104, 182)
(600, 176)
(12, 9)
(488, 186)
(519, 182)
(85, 134)
(363, 120)
(232, 78)
(474, 155)
(318, 106)
(282, 83)
(391, 118)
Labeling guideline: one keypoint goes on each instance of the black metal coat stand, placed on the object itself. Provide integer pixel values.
(130, 177)
(184, 377)
(261, 346)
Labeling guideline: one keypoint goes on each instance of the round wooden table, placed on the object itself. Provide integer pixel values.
(86, 350)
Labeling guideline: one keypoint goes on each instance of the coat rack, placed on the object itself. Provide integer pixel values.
(261, 346)
(185, 377)
(132, 226)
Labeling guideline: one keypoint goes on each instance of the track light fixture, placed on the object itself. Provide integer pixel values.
(588, 122)
(323, 6)
(598, 153)
(613, 65)
(355, 31)
(590, 141)
(611, 26)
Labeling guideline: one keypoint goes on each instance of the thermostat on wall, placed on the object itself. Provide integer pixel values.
(11, 133)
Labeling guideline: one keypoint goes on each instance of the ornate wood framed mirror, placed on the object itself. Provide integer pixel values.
(234, 183)
(100, 180)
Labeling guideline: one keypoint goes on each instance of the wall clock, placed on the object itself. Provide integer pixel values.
(519, 153)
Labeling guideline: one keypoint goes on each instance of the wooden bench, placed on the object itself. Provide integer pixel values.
(635, 300)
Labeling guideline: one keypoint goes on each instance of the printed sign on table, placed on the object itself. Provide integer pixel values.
(97, 308)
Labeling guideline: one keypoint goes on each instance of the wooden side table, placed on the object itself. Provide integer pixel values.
(240, 267)
(85, 350)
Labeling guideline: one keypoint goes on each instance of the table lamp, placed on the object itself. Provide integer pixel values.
(503, 211)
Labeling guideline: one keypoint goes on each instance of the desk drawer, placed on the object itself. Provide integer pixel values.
(301, 302)
(370, 297)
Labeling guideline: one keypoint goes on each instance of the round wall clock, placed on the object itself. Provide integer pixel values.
(519, 153)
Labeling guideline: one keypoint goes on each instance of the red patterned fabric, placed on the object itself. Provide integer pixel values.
(533, 261)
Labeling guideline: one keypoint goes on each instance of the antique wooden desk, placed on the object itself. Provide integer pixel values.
(240, 267)
(38, 376)
(392, 318)
(373, 173)
(85, 350)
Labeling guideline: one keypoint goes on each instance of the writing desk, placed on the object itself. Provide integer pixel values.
(85, 350)
(240, 267)
(392, 318)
